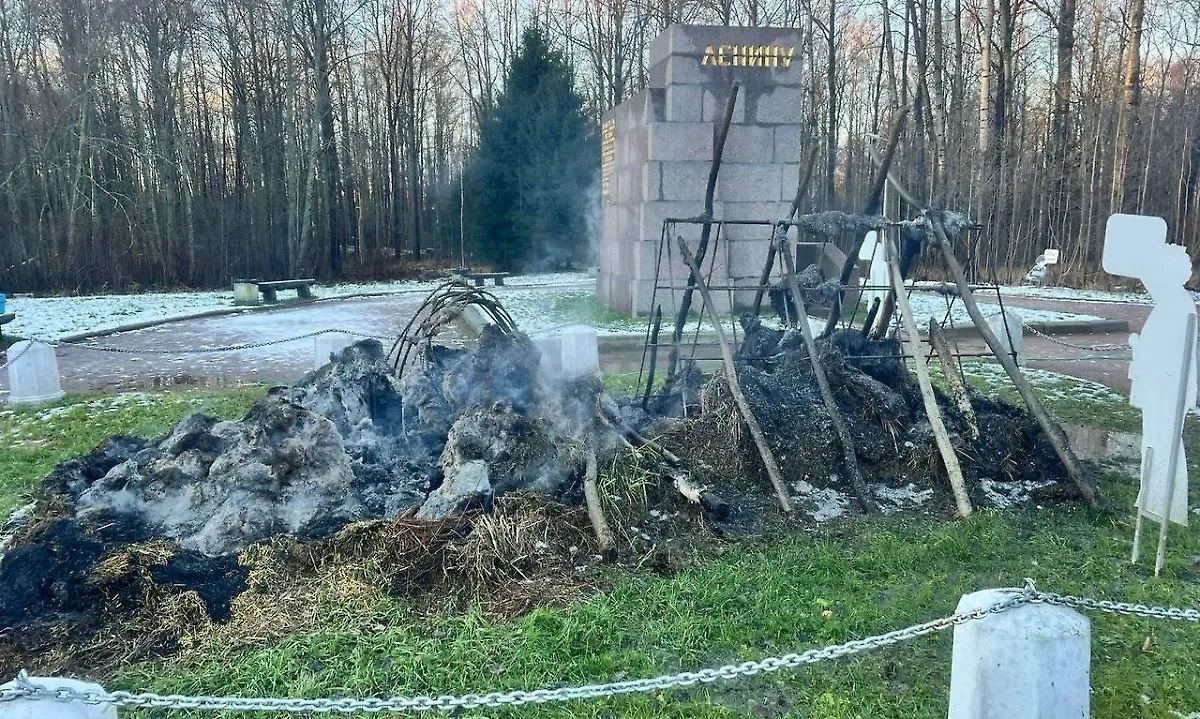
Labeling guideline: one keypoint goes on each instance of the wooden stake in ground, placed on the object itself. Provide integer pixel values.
(653, 354)
(849, 454)
(932, 411)
(1053, 432)
(685, 304)
(735, 385)
(958, 388)
(591, 497)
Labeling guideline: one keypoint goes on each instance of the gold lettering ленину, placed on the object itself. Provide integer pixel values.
(787, 59)
(748, 56)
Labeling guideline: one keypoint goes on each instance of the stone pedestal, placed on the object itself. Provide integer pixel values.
(1029, 662)
(658, 150)
(32, 373)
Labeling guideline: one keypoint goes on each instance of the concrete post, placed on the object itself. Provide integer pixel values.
(245, 293)
(1009, 329)
(580, 351)
(51, 709)
(328, 344)
(32, 373)
(1029, 662)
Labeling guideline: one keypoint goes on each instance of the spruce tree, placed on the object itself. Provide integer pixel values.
(533, 180)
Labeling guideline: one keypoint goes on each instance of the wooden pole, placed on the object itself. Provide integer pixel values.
(1147, 463)
(735, 385)
(685, 304)
(958, 388)
(653, 355)
(801, 191)
(849, 455)
(591, 497)
(1051, 428)
(1181, 404)
(873, 206)
(932, 411)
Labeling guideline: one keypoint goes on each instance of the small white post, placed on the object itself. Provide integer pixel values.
(52, 708)
(1008, 328)
(246, 293)
(32, 373)
(325, 345)
(1028, 662)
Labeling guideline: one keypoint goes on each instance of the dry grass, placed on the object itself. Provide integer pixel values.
(520, 556)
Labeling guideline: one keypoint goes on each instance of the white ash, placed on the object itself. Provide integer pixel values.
(822, 504)
(897, 499)
(1004, 495)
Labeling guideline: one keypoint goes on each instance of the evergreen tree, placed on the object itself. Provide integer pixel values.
(533, 180)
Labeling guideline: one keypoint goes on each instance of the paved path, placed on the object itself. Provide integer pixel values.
(1110, 368)
(87, 370)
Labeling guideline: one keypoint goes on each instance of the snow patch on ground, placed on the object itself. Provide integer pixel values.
(927, 305)
(1069, 293)
(1053, 385)
(52, 318)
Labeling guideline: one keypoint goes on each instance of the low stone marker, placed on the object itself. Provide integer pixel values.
(52, 709)
(327, 345)
(580, 351)
(1029, 662)
(569, 352)
(246, 293)
(1008, 328)
(32, 373)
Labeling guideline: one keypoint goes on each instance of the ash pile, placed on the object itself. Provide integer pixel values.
(424, 466)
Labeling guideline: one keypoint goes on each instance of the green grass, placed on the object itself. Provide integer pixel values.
(35, 439)
(747, 599)
(748, 602)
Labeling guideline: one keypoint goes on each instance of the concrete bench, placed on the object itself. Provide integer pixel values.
(270, 290)
(481, 278)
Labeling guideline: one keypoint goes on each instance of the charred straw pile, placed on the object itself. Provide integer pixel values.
(473, 469)
(882, 407)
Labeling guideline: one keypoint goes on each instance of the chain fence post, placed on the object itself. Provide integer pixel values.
(32, 373)
(1030, 662)
(325, 346)
(52, 706)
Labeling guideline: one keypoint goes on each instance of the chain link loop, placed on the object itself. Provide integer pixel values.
(195, 350)
(1087, 348)
(27, 689)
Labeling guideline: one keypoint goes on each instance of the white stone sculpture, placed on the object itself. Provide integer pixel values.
(32, 373)
(1162, 372)
(1037, 273)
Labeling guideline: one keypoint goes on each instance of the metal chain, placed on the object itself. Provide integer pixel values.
(27, 689)
(196, 350)
(1064, 343)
